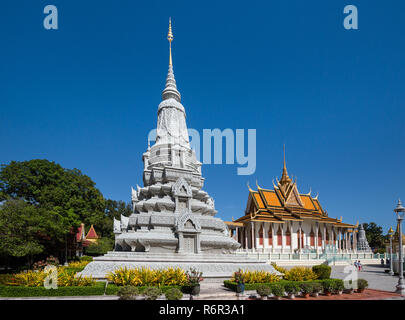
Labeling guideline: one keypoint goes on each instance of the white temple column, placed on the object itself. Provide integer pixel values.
(292, 238)
(253, 236)
(282, 239)
(300, 238)
(246, 235)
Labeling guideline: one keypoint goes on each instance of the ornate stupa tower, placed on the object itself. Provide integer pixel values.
(173, 221)
(362, 243)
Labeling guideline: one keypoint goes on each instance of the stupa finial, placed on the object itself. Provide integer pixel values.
(170, 38)
(170, 90)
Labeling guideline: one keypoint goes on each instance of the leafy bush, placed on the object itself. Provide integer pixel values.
(362, 284)
(263, 290)
(21, 291)
(86, 258)
(128, 293)
(291, 288)
(37, 278)
(113, 289)
(78, 264)
(307, 287)
(328, 285)
(317, 287)
(322, 271)
(278, 268)
(102, 246)
(338, 285)
(300, 274)
(173, 294)
(277, 289)
(255, 276)
(152, 293)
(148, 277)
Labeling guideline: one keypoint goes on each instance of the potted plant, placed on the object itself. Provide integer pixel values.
(316, 289)
(328, 286)
(361, 285)
(194, 278)
(240, 281)
(277, 290)
(292, 289)
(152, 293)
(338, 287)
(263, 291)
(306, 289)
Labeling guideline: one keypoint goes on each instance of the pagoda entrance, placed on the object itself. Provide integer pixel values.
(189, 243)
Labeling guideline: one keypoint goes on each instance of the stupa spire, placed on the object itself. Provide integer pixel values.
(170, 90)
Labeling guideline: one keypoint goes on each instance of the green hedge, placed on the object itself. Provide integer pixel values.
(112, 289)
(323, 271)
(253, 286)
(19, 291)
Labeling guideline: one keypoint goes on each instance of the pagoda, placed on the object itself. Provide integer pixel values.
(173, 223)
(283, 220)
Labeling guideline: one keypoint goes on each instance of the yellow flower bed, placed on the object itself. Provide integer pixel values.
(278, 268)
(300, 274)
(78, 264)
(36, 279)
(148, 277)
(257, 276)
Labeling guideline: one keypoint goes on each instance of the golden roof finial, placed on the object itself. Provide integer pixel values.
(170, 38)
(390, 231)
(249, 187)
(285, 178)
(257, 185)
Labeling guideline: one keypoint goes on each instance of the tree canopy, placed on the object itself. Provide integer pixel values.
(42, 203)
(374, 234)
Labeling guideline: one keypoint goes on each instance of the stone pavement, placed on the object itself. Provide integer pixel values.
(374, 274)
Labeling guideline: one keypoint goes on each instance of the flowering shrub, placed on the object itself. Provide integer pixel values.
(278, 268)
(238, 277)
(300, 274)
(255, 276)
(78, 264)
(148, 277)
(193, 276)
(37, 278)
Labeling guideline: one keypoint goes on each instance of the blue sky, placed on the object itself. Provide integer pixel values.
(86, 95)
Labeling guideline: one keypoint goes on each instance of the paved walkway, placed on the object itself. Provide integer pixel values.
(374, 274)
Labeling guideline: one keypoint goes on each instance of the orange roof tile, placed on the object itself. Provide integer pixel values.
(271, 198)
(259, 200)
(308, 204)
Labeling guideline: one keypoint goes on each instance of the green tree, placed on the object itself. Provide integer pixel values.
(47, 185)
(374, 234)
(113, 209)
(25, 229)
(65, 197)
(100, 247)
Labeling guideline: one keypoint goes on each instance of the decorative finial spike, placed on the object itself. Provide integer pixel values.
(170, 38)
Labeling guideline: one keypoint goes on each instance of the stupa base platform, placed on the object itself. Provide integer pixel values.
(213, 266)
